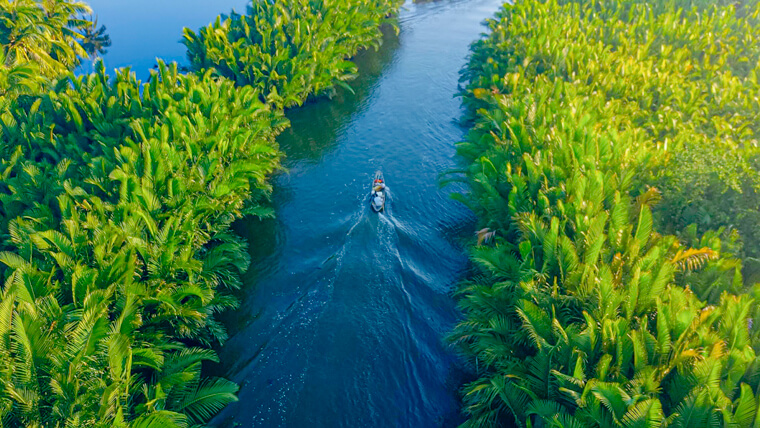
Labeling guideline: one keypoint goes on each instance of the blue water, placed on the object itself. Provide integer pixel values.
(344, 311)
(143, 30)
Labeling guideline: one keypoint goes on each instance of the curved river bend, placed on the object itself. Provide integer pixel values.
(344, 310)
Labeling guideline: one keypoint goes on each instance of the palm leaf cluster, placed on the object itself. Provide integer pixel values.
(686, 73)
(41, 41)
(290, 49)
(579, 313)
(116, 200)
(117, 204)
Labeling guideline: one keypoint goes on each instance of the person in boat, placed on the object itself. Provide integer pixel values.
(377, 192)
(379, 185)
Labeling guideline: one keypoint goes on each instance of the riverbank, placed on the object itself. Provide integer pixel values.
(581, 313)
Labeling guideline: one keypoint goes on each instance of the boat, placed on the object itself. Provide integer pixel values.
(377, 197)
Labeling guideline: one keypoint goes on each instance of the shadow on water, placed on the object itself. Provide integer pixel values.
(315, 125)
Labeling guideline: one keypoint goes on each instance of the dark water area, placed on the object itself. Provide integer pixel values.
(344, 311)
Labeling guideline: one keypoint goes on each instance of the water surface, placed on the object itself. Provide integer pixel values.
(345, 310)
(143, 30)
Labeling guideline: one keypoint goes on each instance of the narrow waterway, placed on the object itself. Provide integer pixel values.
(344, 314)
(344, 311)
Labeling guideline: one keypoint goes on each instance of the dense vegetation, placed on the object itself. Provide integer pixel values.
(118, 210)
(115, 205)
(290, 49)
(596, 125)
(40, 41)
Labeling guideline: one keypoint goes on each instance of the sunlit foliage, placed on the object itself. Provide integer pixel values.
(580, 313)
(40, 41)
(117, 207)
(290, 49)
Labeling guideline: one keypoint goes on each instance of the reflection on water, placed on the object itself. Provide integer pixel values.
(316, 124)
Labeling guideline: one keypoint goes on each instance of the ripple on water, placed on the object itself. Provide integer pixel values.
(345, 327)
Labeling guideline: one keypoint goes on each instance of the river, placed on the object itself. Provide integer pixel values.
(344, 311)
